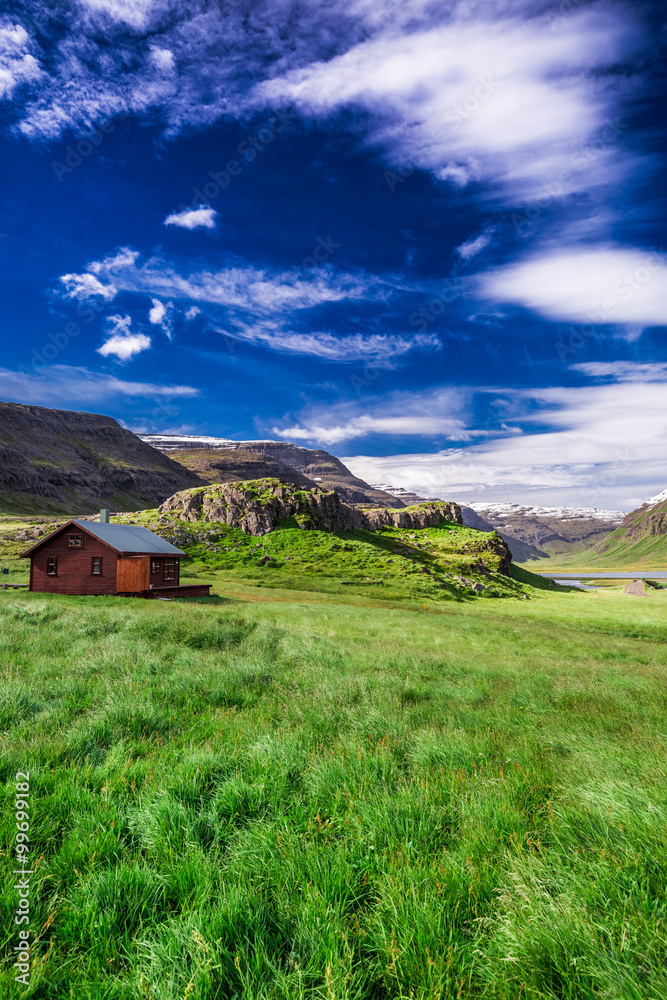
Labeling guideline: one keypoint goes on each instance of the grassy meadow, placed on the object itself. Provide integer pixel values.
(297, 794)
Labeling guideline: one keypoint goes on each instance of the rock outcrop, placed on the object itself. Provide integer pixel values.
(258, 507)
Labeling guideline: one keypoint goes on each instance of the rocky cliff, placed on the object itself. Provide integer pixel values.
(54, 461)
(259, 506)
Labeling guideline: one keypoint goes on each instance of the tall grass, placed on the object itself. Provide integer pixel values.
(339, 802)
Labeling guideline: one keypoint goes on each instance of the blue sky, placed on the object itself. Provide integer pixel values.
(427, 237)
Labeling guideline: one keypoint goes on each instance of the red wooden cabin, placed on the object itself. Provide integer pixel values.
(90, 557)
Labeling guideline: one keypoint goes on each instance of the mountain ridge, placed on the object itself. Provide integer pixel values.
(65, 461)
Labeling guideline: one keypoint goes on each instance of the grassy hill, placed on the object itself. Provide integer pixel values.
(310, 798)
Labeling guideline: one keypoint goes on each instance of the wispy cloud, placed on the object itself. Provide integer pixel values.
(624, 371)
(195, 218)
(383, 350)
(263, 291)
(478, 97)
(437, 413)
(263, 306)
(66, 386)
(87, 286)
(121, 342)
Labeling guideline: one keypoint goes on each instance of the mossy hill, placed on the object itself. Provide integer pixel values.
(59, 461)
(265, 534)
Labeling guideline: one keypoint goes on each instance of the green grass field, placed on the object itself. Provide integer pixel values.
(296, 794)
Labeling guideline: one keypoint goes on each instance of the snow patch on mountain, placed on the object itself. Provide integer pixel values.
(658, 498)
(503, 510)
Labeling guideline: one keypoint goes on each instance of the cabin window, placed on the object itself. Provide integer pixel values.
(96, 568)
(170, 569)
(75, 541)
(156, 566)
(52, 566)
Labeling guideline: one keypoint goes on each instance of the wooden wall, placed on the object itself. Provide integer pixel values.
(74, 565)
(133, 574)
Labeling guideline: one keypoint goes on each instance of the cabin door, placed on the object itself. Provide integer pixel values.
(132, 574)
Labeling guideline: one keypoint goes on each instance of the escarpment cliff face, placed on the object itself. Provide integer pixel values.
(54, 461)
(259, 506)
(223, 460)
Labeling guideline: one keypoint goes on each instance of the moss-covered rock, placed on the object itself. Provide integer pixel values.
(258, 506)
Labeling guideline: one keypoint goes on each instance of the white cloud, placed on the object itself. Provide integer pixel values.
(121, 342)
(261, 291)
(87, 286)
(131, 13)
(195, 218)
(157, 312)
(261, 305)
(472, 247)
(161, 315)
(65, 386)
(431, 413)
(609, 284)
(474, 91)
(364, 425)
(163, 59)
(17, 64)
(124, 257)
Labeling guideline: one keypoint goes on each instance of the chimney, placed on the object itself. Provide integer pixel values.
(104, 515)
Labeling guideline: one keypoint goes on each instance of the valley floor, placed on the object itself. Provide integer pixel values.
(295, 794)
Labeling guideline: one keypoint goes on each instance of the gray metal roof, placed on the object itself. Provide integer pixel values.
(130, 538)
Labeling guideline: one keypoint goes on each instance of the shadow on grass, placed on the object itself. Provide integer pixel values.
(203, 599)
